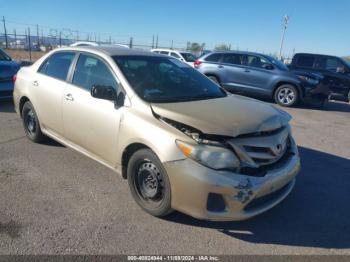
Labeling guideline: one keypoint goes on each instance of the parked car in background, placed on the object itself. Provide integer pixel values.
(8, 70)
(255, 74)
(335, 70)
(183, 56)
(85, 43)
(182, 142)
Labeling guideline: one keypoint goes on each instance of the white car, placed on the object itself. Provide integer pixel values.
(84, 43)
(183, 56)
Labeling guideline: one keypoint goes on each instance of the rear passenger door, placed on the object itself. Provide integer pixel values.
(233, 72)
(47, 90)
(91, 123)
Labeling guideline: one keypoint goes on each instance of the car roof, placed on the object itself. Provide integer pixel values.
(313, 54)
(236, 52)
(168, 50)
(112, 50)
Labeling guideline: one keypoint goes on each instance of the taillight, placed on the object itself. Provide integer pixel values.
(197, 63)
(14, 77)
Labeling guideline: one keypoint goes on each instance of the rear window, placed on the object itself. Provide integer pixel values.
(57, 65)
(305, 61)
(213, 58)
(235, 59)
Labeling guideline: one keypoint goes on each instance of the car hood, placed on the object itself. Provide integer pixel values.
(230, 116)
(8, 68)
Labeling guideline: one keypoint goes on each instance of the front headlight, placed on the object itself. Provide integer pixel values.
(211, 156)
(308, 80)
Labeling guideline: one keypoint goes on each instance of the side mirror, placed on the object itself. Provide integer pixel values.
(103, 92)
(120, 100)
(340, 69)
(268, 66)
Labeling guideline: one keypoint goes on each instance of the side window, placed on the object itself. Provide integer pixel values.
(57, 65)
(256, 61)
(91, 71)
(175, 55)
(164, 52)
(330, 64)
(234, 59)
(306, 61)
(213, 58)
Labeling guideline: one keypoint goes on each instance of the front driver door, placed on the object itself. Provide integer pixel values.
(90, 123)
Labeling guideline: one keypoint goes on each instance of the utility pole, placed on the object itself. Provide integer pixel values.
(14, 32)
(29, 45)
(157, 42)
(285, 25)
(172, 44)
(37, 35)
(152, 41)
(5, 31)
(130, 43)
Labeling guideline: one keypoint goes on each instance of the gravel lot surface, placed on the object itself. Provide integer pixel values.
(54, 200)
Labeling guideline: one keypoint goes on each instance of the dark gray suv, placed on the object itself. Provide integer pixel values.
(254, 74)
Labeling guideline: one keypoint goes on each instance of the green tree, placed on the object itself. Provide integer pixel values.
(223, 47)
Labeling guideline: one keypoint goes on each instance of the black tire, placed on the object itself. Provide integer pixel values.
(31, 123)
(214, 79)
(286, 95)
(149, 183)
(349, 97)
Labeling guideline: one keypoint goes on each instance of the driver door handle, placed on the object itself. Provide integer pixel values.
(247, 70)
(220, 66)
(69, 97)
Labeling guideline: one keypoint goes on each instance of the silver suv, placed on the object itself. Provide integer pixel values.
(182, 142)
(260, 75)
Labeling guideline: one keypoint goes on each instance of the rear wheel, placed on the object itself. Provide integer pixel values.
(149, 183)
(31, 123)
(214, 79)
(286, 95)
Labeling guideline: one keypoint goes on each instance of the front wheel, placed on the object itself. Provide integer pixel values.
(149, 183)
(31, 123)
(286, 95)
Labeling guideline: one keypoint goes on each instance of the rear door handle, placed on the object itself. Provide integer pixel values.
(35, 83)
(220, 66)
(69, 97)
(247, 70)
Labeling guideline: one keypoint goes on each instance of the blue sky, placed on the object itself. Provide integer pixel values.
(255, 25)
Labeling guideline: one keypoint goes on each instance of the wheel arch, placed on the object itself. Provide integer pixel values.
(22, 101)
(215, 75)
(280, 83)
(128, 152)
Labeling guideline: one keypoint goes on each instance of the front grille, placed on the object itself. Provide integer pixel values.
(259, 153)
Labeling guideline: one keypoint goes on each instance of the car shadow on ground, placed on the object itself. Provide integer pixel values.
(315, 214)
(335, 106)
(6, 106)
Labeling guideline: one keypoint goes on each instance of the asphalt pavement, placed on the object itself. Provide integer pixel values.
(54, 200)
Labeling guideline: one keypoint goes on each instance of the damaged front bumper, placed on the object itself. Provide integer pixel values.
(316, 93)
(209, 194)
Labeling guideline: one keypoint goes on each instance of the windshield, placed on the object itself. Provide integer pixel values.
(278, 63)
(161, 79)
(4, 56)
(189, 57)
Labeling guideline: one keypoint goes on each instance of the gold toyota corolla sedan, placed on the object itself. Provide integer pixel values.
(182, 142)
